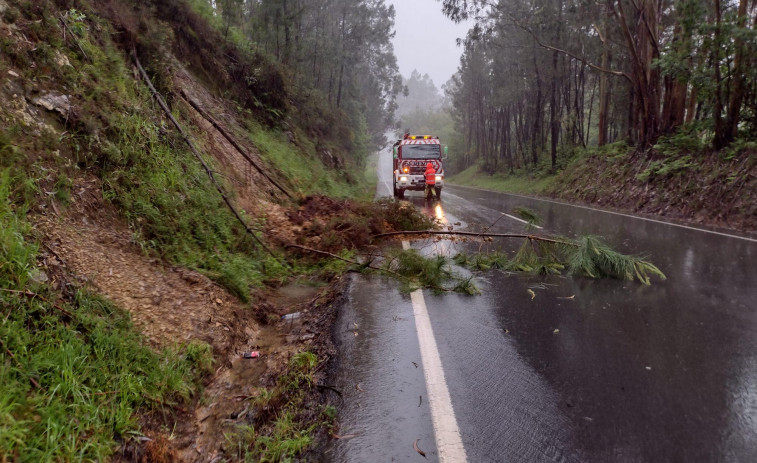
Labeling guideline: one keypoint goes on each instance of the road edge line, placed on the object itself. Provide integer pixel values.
(449, 442)
(622, 214)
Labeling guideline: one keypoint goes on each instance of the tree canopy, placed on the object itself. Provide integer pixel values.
(541, 76)
(337, 50)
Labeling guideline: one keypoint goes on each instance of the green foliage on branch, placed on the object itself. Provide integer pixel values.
(595, 259)
(434, 272)
(586, 256)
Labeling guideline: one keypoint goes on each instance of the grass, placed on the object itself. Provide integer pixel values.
(289, 418)
(169, 201)
(146, 170)
(75, 373)
(540, 180)
(370, 173)
(520, 182)
(161, 188)
(304, 170)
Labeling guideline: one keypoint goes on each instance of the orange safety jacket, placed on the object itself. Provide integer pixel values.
(430, 174)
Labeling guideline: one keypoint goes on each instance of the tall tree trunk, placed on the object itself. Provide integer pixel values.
(643, 45)
(604, 88)
(738, 81)
(537, 117)
(343, 57)
(554, 122)
(674, 102)
(287, 38)
(720, 139)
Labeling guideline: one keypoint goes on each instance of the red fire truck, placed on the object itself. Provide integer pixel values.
(411, 154)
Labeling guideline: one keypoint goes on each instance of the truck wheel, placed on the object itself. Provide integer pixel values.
(396, 193)
(400, 193)
(438, 193)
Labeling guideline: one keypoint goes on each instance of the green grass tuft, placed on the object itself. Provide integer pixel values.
(283, 428)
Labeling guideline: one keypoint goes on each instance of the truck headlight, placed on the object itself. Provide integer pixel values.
(403, 179)
(438, 178)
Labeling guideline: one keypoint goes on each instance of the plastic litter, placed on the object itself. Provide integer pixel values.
(291, 316)
(251, 355)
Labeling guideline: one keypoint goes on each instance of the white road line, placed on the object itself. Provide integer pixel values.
(615, 213)
(388, 187)
(520, 220)
(449, 444)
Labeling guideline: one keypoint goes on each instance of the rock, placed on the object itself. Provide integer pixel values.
(53, 102)
(61, 59)
(39, 277)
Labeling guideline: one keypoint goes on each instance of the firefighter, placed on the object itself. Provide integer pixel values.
(430, 175)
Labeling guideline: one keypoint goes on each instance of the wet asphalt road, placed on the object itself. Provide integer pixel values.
(587, 370)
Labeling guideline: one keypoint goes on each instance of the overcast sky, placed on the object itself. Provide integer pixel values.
(425, 39)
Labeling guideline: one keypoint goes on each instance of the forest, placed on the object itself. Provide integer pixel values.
(335, 52)
(539, 79)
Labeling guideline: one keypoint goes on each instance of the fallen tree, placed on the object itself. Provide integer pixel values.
(585, 256)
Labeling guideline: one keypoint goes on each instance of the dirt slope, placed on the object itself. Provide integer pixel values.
(170, 305)
(714, 191)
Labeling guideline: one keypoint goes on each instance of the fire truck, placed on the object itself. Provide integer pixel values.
(411, 154)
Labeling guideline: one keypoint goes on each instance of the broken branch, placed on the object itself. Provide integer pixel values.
(335, 256)
(233, 142)
(176, 124)
(463, 233)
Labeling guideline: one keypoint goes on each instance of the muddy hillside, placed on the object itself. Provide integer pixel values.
(155, 172)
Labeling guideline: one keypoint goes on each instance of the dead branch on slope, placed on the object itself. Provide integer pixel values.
(194, 150)
(233, 142)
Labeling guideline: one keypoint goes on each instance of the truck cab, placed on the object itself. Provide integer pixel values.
(411, 154)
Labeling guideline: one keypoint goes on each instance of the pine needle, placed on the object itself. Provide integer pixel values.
(586, 256)
(433, 273)
(594, 258)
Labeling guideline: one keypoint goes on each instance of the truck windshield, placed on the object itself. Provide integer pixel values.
(421, 152)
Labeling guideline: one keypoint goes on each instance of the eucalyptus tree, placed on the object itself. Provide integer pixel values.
(658, 64)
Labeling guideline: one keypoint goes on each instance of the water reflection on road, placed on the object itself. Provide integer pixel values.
(658, 373)
(582, 370)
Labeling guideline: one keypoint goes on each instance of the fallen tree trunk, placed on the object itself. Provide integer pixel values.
(233, 142)
(463, 233)
(194, 150)
(349, 261)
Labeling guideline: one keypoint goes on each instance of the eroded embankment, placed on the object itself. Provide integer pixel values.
(712, 191)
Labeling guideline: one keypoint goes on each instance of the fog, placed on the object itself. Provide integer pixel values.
(425, 39)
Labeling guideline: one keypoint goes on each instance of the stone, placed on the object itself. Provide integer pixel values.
(60, 59)
(39, 277)
(53, 102)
